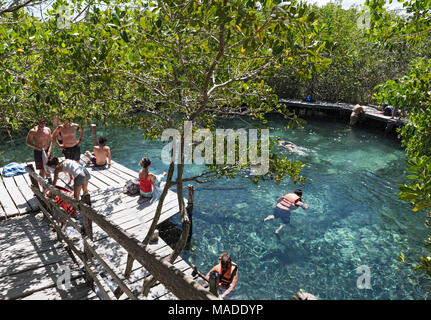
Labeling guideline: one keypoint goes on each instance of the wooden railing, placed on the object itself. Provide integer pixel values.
(180, 284)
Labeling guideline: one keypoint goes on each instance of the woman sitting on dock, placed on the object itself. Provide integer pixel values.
(80, 174)
(146, 179)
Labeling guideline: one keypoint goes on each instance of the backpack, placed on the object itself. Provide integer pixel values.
(131, 187)
(388, 111)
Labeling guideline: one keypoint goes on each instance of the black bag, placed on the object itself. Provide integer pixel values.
(132, 187)
(388, 111)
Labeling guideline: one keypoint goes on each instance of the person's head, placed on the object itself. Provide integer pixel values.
(41, 123)
(102, 141)
(225, 261)
(145, 163)
(52, 162)
(298, 192)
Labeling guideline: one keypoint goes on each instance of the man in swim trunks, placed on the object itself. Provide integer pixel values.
(70, 146)
(285, 205)
(100, 153)
(39, 138)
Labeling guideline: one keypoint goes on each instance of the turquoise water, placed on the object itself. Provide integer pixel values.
(354, 219)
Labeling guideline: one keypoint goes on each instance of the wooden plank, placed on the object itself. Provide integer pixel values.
(6, 201)
(105, 180)
(95, 172)
(25, 283)
(26, 191)
(28, 251)
(79, 290)
(18, 266)
(125, 170)
(129, 222)
(106, 173)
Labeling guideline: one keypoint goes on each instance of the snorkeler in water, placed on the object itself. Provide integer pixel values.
(286, 144)
(285, 206)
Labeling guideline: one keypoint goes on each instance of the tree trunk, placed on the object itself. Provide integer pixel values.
(185, 223)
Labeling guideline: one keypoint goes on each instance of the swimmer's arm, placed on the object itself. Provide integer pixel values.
(303, 205)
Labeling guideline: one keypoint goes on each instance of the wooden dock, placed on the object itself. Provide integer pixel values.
(31, 253)
(370, 112)
(30, 259)
(16, 196)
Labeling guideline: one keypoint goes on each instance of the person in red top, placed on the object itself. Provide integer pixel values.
(285, 205)
(146, 179)
(228, 274)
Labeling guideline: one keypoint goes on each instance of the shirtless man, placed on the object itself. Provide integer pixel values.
(39, 138)
(70, 147)
(357, 111)
(100, 153)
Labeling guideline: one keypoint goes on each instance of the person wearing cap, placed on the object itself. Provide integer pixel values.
(228, 274)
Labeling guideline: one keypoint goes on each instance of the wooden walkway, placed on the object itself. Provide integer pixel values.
(370, 112)
(16, 196)
(40, 254)
(30, 259)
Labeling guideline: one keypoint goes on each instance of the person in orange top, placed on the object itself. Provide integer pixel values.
(285, 205)
(146, 179)
(228, 274)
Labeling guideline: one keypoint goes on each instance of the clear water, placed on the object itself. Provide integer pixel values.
(354, 219)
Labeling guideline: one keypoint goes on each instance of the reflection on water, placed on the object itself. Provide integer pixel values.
(354, 219)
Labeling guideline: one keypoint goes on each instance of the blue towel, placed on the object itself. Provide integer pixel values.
(13, 169)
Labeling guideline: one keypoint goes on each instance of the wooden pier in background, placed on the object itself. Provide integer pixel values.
(114, 224)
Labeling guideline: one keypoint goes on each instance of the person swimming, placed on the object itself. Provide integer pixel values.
(292, 147)
(286, 144)
(285, 206)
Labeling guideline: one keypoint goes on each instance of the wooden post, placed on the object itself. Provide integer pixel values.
(86, 222)
(33, 180)
(87, 231)
(93, 134)
(190, 196)
(214, 283)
